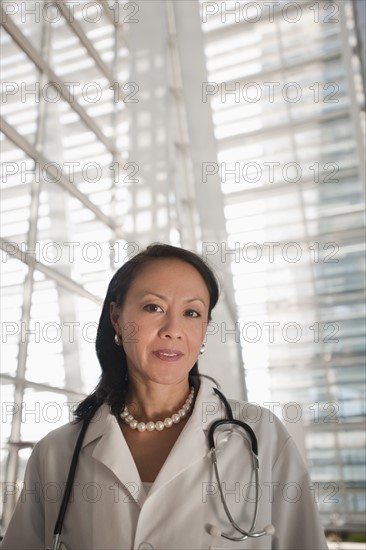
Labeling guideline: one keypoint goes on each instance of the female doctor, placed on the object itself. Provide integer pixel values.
(145, 476)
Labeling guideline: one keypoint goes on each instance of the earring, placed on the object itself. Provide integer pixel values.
(202, 350)
(116, 340)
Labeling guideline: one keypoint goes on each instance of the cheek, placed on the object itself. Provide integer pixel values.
(201, 331)
(138, 333)
(130, 332)
(196, 337)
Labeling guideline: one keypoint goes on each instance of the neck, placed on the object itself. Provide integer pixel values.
(155, 402)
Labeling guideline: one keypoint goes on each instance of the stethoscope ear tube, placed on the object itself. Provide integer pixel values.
(69, 483)
(230, 419)
(229, 411)
(243, 425)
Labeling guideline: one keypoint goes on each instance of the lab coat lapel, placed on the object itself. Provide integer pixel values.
(191, 446)
(112, 451)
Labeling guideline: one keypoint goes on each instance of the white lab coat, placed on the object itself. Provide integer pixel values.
(109, 508)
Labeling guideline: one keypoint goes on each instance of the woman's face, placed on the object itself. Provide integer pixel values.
(163, 321)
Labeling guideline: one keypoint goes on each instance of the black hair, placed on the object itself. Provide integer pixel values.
(113, 384)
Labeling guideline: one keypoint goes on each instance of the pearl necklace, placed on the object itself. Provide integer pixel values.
(160, 424)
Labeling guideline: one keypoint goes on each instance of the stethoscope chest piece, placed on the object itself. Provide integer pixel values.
(57, 544)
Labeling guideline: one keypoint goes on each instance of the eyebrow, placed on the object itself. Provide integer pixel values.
(162, 297)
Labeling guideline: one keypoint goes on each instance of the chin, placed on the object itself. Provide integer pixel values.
(169, 379)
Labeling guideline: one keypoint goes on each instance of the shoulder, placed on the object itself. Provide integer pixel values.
(63, 435)
(260, 419)
(253, 413)
(271, 433)
(56, 446)
(59, 444)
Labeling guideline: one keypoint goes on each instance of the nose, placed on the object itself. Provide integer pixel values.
(171, 327)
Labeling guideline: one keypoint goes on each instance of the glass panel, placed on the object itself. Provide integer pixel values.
(42, 411)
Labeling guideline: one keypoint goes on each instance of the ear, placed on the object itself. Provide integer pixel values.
(114, 312)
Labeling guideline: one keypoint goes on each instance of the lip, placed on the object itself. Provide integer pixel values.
(168, 354)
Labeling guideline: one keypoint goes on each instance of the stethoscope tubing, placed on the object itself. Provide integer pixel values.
(211, 440)
(69, 483)
(254, 449)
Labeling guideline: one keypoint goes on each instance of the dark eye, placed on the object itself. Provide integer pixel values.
(192, 313)
(152, 308)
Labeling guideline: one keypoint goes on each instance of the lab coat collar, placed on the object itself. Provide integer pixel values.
(102, 422)
(191, 445)
(112, 450)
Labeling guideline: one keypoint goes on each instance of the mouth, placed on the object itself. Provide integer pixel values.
(168, 354)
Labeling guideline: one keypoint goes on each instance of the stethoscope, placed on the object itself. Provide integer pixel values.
(213, 530)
